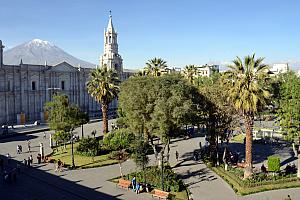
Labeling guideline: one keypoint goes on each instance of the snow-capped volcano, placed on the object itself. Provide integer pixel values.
(38, 52)
(39, 42)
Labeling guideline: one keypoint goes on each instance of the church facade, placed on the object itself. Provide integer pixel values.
(25, 88)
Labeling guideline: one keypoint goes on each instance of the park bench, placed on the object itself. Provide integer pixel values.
(124, 183)
(160, 194)
(241, 165)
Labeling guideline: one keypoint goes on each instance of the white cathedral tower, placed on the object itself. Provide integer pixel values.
(111, 57)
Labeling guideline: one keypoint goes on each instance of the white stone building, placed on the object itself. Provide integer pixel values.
(25, 88)
(207, 70)
(279, 68)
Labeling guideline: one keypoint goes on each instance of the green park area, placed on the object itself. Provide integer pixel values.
(155, 107)
(81, 161)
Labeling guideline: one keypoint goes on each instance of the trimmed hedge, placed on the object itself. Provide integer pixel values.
(249, 186)
(153, 177)
(273, 164)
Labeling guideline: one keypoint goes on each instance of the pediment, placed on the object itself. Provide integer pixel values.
(63, 67)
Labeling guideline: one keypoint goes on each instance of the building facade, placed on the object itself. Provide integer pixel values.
(25, 88)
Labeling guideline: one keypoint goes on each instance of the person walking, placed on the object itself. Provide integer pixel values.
(28, 145)
(28, 162)
(31, 159)
(133, 183)
(8, 158)
(177, 155)
(45, 135)
(18, 149)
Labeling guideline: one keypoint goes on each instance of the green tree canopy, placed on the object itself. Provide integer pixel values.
(157, 106)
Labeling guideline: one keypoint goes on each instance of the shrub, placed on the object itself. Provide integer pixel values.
(152, 175)
(88, 147)
(273, 164)
(118, 140)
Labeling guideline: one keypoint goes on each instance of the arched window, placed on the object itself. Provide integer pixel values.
(109, 39)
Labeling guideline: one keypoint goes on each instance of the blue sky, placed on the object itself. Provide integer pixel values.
(181, 32)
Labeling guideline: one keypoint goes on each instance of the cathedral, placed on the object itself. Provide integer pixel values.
(25, 88)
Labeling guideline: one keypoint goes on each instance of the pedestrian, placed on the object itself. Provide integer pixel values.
(20, 146)
(31, 159)
(59, 163)
(8, 158)
(177, 155)
(137, 187)
(28, 162)
(39, 158)
(28, 145)
(45, 135)
(133, 183)
(25, 162)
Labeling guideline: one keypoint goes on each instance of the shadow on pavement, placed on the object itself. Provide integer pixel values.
(35, 184)
(261, 152)
(21, 137)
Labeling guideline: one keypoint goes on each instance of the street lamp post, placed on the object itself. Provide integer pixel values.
(72, 151)
(162, 170)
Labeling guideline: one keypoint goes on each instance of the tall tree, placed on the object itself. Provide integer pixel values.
(63, 119)
(157, 106)
(155, 66)
(103, 86)
(289, 109)
(190, 71)
(247, 91)
(219, 115)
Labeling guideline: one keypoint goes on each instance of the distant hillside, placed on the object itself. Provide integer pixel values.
(38, 51)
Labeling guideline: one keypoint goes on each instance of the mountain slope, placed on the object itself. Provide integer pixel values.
(38, 52)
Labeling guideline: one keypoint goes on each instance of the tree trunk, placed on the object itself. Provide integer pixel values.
(104, 118)
(168, 150)
(154, 148)
(298, 159)
(72, 151)
(248, 126)
(120, 166)
(298, 168)
(224, 159)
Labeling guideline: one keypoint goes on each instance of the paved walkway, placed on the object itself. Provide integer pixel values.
(42, 182)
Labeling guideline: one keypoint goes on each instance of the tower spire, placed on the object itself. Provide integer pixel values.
(110, 27)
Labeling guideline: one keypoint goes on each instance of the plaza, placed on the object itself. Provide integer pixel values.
(42, 182)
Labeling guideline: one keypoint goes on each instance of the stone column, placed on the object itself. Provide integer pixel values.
(51, 141)
(42, 149)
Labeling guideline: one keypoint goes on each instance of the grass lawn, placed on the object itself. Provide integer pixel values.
(239, 138)
(81, 161)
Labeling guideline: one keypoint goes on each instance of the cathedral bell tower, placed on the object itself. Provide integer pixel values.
(111, 57)
(1, 54)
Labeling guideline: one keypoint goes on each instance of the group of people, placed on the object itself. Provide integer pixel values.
(136, 186)
(29, 161)
(19, 149)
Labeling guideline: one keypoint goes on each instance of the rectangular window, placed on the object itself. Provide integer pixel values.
(8, 86)
(33, 87)
(63, 85)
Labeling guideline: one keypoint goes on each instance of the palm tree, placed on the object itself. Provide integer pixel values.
(155, 66)
(247, 91)
(190, 71)
(103, 86)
